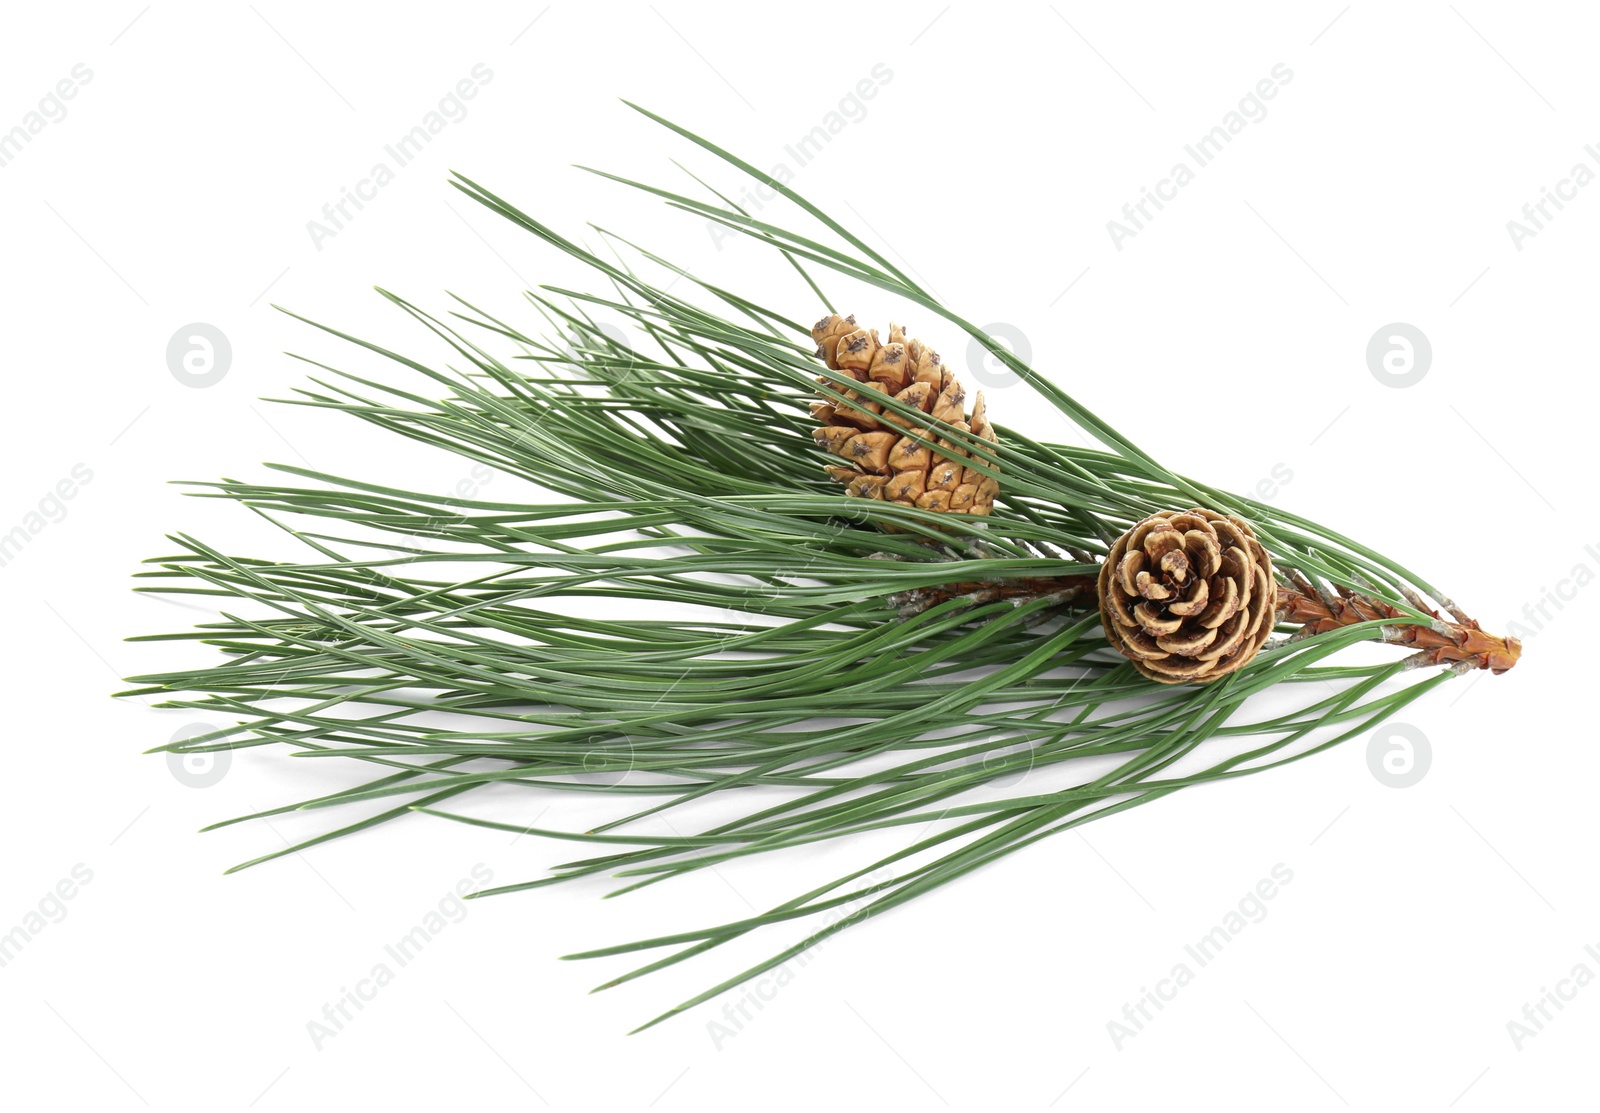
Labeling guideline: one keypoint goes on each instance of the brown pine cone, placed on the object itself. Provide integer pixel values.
(1188, 595)
(885, 463)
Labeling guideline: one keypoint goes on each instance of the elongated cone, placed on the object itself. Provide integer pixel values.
(1188, 595)
(883, 461)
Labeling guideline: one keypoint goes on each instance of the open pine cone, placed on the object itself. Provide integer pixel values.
(1188, 595)
(885, 463)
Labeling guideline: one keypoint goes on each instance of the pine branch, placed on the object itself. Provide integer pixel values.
(875, 666)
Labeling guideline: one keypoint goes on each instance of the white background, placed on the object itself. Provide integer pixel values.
(1228, 337)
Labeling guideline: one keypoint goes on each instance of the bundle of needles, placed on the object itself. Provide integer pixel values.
(944, 649)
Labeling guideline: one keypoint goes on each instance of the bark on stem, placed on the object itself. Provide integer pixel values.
(1461, 644)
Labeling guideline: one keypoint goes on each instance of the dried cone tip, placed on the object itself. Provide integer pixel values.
(1188, 595)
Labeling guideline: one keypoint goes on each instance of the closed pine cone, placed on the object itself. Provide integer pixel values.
(885, 463)
(1188, 595)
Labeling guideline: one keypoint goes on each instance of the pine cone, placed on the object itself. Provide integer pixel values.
(886, 464)
(1188, 595)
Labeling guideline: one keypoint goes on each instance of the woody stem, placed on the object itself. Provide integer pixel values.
(1461, 644)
